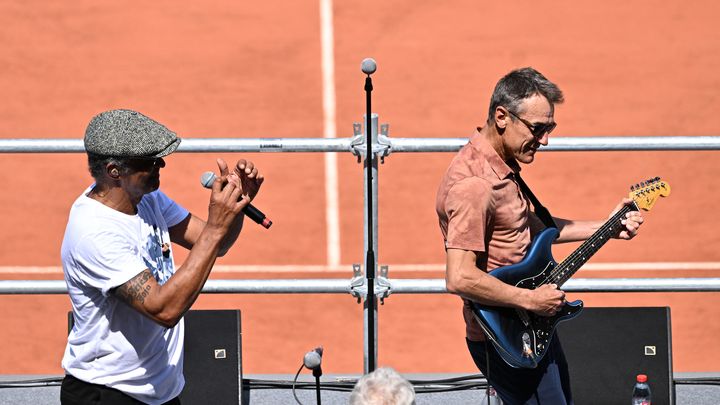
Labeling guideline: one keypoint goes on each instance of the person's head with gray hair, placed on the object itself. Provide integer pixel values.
(520, 84)
(384, 386)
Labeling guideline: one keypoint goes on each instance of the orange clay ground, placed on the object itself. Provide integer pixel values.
(249, 70)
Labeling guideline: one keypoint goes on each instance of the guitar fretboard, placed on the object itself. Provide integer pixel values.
(568, 267)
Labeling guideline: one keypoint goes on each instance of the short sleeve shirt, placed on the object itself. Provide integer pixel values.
(481, 208)
(111, 343)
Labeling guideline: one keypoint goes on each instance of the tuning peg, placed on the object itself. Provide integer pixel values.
(632, 188)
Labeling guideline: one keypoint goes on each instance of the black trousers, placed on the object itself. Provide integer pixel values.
(78, 392)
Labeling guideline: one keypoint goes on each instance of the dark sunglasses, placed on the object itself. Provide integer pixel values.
(143, 164)
(539, 129)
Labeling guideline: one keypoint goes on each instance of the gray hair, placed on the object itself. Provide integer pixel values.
(384, 386)
(520, 84)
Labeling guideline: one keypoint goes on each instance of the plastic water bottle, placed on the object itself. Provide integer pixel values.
(641, 392)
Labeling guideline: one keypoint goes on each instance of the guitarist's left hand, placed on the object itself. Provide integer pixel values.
(631, 223)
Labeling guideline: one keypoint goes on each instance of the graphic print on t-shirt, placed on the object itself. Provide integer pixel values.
(159, 257)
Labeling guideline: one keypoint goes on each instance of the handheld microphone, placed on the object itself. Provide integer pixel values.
(313, 360)
(250, 211)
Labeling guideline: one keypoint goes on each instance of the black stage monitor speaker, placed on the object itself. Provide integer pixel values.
(606, 348)
(213, 357)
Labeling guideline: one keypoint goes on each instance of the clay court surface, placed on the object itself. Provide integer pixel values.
(253, 70)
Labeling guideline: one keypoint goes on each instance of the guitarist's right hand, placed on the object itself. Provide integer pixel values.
(546, 300)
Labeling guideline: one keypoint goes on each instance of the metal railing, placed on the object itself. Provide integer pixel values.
(395, 286)
(385, 144)
(382, 146)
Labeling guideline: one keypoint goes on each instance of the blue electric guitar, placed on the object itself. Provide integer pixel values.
(522, 337)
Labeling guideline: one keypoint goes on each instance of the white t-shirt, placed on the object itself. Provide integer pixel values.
(111, 343)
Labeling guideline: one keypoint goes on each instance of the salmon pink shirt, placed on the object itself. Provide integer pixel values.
(481, 208)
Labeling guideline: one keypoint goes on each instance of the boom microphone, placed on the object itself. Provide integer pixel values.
(250, 211)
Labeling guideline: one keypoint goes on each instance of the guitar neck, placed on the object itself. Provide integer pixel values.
(581, 255)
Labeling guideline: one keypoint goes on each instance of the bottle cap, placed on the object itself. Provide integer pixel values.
(641, 378)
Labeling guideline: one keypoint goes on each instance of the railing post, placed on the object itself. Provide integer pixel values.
(370, 216)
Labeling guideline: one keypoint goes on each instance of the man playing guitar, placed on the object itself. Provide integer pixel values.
(487, 223)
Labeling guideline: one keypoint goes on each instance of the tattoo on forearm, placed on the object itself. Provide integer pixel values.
(136, 289)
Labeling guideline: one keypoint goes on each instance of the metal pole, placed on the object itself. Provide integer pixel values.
(371, 246)
(581, 285)
(398, 286)
(397, 145)
(371, 186)
(192, 145)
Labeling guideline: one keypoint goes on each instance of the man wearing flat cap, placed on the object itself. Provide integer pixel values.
(128, 296)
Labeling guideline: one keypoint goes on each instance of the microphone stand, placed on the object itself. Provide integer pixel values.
(317, 372)
(370, 255)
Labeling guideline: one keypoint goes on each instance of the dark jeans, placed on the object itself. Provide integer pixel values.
(548, 384)
(78, 392)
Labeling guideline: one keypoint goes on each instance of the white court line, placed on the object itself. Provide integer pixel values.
(402, 268)
(332, 211)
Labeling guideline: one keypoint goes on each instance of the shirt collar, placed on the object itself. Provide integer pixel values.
(499, 166)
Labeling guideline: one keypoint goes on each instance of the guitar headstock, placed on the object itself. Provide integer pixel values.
(646, 193)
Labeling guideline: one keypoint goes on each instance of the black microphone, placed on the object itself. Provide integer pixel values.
(313, 360)
(253, 213)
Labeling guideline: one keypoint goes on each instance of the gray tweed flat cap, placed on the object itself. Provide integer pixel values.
(127, 133)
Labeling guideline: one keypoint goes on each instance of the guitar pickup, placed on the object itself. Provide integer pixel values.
(527, 348)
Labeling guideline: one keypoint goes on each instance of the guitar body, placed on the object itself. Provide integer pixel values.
(522, 337)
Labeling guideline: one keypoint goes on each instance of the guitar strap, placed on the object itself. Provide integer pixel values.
(540, 210)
